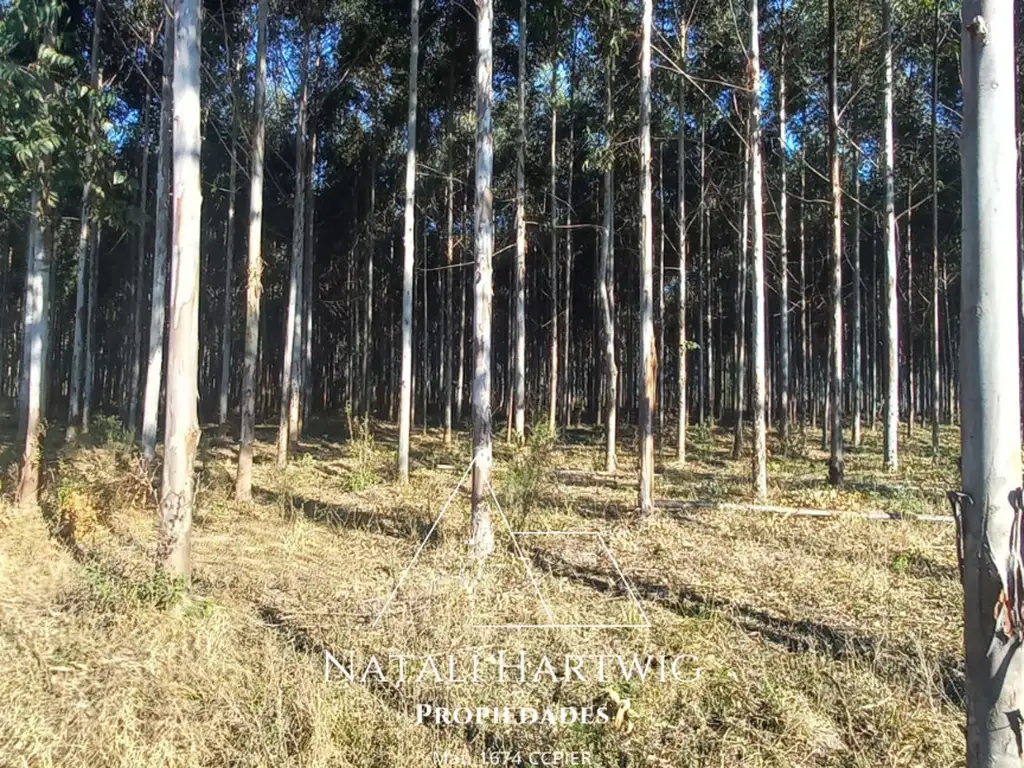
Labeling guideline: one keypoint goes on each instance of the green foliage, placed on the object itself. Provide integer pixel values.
(528, 474)
(121, 592)
(112, 433)
(363, 473)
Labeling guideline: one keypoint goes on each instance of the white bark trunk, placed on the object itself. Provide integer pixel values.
(785, 384)
(254, 267)
(405, 386)
(760, 319)
(650, 363)
(990, 378)
(158, 303)
(892, 398)
(681, 358)
(181, 433)
(836, 335)
(606, 274)
(520, 268)
(36, 314)
(287, 428)
(553, 266)
(481, 535)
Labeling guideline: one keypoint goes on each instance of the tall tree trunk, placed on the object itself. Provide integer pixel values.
(681, 357)
(181, 433)
(858, 379)
(784, 334)
(805, 338)
(650, 363)
(836, 331)
(405, 387)
(935, 235)
(308, 261)
(659, 292)
(254, 267)
(760, 473)
(911, 390)
(288, 420)
(158, 303)
(229, 259)
(565, 372)
(82, 253)
(365, 372)
(481, 535)
(990, 435)
(140, 263)
(553, 266)
(520, 265)
(740, 391)
(449, 318)
(606, 274)
(36, 314)
(892, 396)
(89, 353)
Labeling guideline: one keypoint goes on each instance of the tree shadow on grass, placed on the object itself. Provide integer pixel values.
(404, 522)
(793, 635)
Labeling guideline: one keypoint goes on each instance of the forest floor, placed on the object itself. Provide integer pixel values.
(819, 641)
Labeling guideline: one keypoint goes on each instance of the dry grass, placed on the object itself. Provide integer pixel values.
(820, 642)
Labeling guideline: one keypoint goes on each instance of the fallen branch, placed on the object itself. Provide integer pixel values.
(798, 511)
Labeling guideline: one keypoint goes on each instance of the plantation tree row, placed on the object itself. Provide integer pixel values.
(635, 215)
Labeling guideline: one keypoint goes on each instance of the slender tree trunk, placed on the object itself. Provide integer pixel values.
(288, 419)
(449, 318)
(805, 338)
(158, 312)
(405, 387)
(990, 435)
(936, 384)
(229, 259)
(308, 262)
(650, 363)
(481, 536)
(911, 390)
(836, 331)
(892, 397)
(365, 373)
(740, 391)
(681, 383)
(82, 253)
(784, 334)
(140, 265)
(36, 314)
(858, 379)
(181, 434)
(90, 332)
(659, 291)
(553, 360)
(760, 469)
(606, 274)
(254, 267)
(520, 265)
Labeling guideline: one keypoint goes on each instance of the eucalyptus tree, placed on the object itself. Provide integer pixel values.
(481, 536)
(409, 254)
(181, 431)
(990, 432)
(649, 362)
(892, 398)
(157, 314)
(760, 468)
(254, 266)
